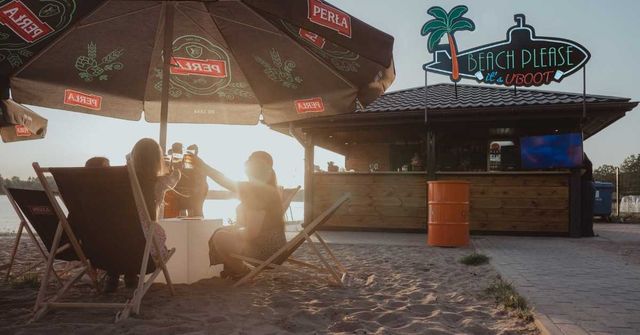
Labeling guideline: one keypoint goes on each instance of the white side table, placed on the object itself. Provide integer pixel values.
(190, 262)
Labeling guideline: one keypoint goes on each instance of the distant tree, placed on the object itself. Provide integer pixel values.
(605, 173)
(31, 183)
(631, 164)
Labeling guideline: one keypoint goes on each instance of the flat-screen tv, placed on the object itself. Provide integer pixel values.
(551, 151)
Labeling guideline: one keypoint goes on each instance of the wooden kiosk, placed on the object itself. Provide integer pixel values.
(389, 194)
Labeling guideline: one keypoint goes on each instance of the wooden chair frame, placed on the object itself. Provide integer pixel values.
(334, 270)
(25, 225)
(43, 305)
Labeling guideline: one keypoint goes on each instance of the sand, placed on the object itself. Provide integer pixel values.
(395, 290)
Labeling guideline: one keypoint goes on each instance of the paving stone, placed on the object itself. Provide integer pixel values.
(573, 281)
(571, 329)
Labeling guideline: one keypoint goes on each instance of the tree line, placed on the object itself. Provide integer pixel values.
(606, 172)
(32, 183)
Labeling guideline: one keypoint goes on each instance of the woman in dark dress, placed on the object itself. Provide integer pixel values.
(259, 231)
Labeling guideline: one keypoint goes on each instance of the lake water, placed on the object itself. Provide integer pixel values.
(213, 209)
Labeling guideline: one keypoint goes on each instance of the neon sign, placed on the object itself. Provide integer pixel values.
(523, 59)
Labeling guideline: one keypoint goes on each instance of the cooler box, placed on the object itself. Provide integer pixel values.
(602, 200)
(190, 263)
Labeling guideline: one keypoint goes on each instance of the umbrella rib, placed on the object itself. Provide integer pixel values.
(199, 26)
(151, 64)
(246, 25)
(246, 79)
(118, 16)
(227, 48)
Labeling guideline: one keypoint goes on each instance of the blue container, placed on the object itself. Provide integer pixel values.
(602, 200)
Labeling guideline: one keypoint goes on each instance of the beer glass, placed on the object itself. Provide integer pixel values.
(188, 159)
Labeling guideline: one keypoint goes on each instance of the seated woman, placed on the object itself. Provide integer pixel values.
(259, 231)
(154, 182)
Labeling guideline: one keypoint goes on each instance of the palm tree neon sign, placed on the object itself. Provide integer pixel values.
(447, 23)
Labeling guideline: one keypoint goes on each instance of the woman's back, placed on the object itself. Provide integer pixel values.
(261, 206)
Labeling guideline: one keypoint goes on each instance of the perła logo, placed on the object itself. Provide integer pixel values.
(22, 21)
(199, 67)
(313, 105)
(312, 38)
(327, 16)
(202, 67)
(76, 98)
(41, 210)
(22, 131)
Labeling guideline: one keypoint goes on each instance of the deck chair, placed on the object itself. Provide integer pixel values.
(108, 211)
(36, 213)
(287, 197)
(336, 271)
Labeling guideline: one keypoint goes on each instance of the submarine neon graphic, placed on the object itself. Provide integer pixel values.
(522, 60)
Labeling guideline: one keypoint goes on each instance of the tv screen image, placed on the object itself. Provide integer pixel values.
(551, 151)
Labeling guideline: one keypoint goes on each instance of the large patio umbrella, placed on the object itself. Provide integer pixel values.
(226, 62)
(19, 123)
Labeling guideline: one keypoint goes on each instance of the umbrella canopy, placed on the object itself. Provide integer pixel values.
(227, 62)
(19, 123)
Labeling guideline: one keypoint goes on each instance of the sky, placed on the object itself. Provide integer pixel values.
(608, 29)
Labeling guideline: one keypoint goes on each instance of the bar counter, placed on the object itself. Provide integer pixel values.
(531, 202)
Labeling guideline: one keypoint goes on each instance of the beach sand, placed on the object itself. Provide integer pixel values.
(396, 290)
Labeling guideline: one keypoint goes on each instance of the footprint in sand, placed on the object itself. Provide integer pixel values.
(471, 327)
(345, 327)
(421, 310)
(393, 320)
(295, 326)
(395, 304)
(451, 318)
(364, 315)
(479, 315)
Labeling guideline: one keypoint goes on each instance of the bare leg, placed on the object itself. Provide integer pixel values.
(227, 243)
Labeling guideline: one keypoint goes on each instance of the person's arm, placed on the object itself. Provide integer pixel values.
(215, 175)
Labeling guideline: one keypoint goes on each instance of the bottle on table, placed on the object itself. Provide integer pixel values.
(192, 150)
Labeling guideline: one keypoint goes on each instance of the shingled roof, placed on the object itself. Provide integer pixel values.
(443, 96)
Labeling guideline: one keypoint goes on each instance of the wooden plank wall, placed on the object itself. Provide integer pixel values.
(518, 203)
(378, 201)
(527, 203)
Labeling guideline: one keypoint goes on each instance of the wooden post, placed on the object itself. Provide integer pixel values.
(167, 52)
(617, 193)
(309, 148)
(575, 204)
(431, 154)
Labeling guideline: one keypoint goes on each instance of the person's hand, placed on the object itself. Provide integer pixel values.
(198, 163)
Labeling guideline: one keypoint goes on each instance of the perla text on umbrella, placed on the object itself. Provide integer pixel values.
(203, 67)
(313, 38)
(22, 21)
(330, 17)
(76, 98)
(22, 131)
(313, 105)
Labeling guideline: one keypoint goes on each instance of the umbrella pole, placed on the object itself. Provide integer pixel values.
(167, 51)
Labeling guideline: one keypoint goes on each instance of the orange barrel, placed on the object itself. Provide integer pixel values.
(448, 213)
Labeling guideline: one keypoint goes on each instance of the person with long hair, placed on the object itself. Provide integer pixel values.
(259, 230)
(154, 181)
